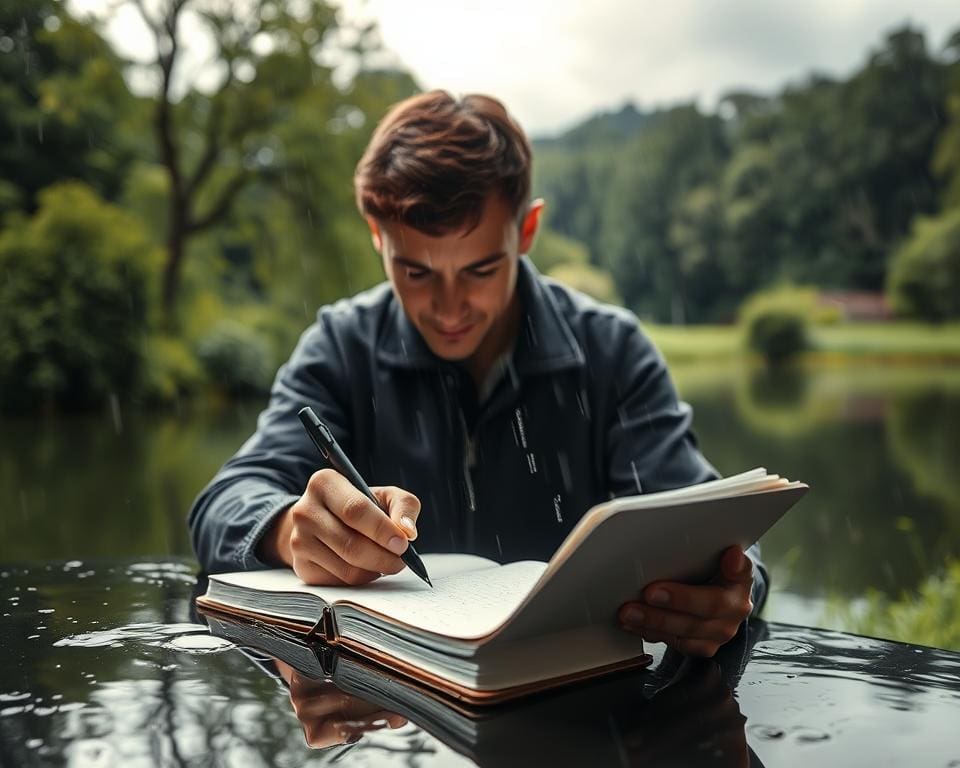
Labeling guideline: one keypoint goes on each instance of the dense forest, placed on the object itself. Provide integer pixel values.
(160, 239)
(849, 184)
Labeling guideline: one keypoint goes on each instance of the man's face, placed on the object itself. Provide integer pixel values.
(459, 289)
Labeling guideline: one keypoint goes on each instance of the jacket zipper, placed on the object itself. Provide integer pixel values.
(468, 448)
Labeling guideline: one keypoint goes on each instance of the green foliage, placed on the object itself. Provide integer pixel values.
(692, 212)
(591, 280)
(925, 272)
(776, 323)
(63, 105)
(931, 616)
(928, 453)
(237, 359)
(171, 370)
(551, 249)
(946, 159)
(72, 301)
(680, 150)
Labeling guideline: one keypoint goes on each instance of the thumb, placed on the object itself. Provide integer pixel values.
(402, 506)
(735, 566)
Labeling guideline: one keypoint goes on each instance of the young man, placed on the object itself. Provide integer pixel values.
(493, 406)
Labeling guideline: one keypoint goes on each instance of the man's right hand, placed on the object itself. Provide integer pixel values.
(335, 535)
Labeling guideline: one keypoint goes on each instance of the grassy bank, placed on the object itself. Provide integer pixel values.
(843, 342)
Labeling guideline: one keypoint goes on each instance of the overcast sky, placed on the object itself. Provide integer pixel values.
(553, 62)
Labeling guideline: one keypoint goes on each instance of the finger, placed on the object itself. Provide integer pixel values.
(736, 566)
(644, 618)
(320, 563)
(704, 600)
(402, 506)
(356, 511)
(356, 549)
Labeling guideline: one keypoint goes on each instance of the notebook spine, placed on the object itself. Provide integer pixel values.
(325, 629)
(329, 621)
(327, 657)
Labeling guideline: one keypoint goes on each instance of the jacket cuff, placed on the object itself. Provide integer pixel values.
(761, 580)
(247, 559)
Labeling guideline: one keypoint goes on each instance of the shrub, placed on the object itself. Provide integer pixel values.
(776, 323)
(924, 276)
(551, 249)
(587, 278)
(236, 359)
(171, 370)
(73, 294)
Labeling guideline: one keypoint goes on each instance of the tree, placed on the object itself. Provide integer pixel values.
(680, 151)
(946, 160)
(214, 145)
(62, 104)
(924, 277)
(73, 296)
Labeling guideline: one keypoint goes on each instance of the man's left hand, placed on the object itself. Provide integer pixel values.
(694, 619)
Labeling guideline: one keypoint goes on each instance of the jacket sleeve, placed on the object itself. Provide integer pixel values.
(270, 471)
(650, 443)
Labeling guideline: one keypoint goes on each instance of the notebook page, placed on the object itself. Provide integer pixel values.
(464, 605)
(702, 492)
(439, 566)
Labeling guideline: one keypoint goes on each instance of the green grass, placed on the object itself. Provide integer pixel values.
(899, 341)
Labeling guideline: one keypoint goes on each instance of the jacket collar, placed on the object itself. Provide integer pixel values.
(544, 344)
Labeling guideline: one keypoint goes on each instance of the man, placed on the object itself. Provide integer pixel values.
(494, 406)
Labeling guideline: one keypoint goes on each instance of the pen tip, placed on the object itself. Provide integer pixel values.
(427, 578)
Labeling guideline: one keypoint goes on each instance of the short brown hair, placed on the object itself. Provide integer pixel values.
(434, 160)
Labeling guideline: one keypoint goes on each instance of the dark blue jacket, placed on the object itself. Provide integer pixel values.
(586, 410)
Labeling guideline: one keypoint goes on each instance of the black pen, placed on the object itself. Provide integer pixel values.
(323, 438)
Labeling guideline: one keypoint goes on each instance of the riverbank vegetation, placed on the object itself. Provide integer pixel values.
(173, 239)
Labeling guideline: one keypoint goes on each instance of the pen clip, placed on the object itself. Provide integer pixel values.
(328, 436)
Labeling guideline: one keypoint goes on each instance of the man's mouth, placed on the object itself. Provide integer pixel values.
(454, 334)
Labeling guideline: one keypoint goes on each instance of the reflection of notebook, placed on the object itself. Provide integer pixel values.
(599, 722)
(515, 733)
(489, 632)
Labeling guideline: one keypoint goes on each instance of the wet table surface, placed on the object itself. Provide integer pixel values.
(107, 664)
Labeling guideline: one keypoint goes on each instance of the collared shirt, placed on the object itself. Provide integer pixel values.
(586, 411)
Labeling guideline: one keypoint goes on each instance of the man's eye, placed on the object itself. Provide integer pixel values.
(417, 274)
(483, 272)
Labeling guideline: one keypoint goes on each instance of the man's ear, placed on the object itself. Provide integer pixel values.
(375, 233)
(530, 225)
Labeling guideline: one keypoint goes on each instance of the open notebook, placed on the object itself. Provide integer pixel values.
(488, 632)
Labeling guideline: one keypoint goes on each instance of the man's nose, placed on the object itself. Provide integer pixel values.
(449, 299)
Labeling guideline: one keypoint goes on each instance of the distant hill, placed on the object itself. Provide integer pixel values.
(603, 128)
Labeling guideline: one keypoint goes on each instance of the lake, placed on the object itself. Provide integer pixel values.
(879, 446)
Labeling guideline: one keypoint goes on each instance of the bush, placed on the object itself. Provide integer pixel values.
(551, 249)
(171, 370)
(930, 616)
(776, 323)
(924, 277)
(73, 293)
(589, 279)
(236, 359)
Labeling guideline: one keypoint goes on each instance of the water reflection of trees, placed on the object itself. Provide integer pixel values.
(923, 431)
(875, 445)
(216, 715)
